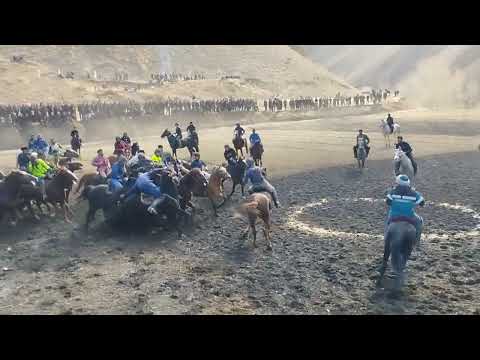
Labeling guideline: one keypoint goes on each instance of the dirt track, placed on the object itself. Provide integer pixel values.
(58, 269)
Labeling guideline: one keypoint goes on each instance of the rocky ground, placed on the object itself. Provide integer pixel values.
(324, 258)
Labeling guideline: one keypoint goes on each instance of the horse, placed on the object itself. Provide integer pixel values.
(256, 151)
(257, 206)
(58, 189)
(193, 182)
(90, 179)
(10, 187)
(237, 170)
(176, 143)
(239, 143)
(361, 155)
(387, 132)
(215, 190)
(399, 240)
(403, 165)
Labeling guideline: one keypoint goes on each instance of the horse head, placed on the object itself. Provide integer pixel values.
(165, 133)
(220, 172)
(398, 155)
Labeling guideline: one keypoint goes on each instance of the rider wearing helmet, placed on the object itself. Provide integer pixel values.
(361, 137)
(259, 183)
(402, 201)
(407, 149)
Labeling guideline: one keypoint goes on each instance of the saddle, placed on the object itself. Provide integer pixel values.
(409, 220)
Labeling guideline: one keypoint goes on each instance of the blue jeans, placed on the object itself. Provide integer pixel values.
(418, 225)
(115, 185)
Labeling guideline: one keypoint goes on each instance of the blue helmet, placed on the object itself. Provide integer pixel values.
(403, 180)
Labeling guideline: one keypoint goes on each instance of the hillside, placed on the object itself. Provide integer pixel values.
(421, 72)
(264, 71)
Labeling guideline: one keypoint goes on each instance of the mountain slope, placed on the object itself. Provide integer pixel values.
(438, 75)
(263, 70)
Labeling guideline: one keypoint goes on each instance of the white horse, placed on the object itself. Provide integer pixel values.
(403, 165)
(387, 131)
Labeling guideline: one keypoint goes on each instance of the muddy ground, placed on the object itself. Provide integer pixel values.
(324, 259)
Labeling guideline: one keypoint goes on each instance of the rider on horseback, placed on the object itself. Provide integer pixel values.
(126, 139)
(366, 141)
(102, 164)
(238, 131)
(178, 131)
(191, 128)
(229, 153)
(390, 123)
(23, 159)
(40, 169)
(117, 175)
(197, 163)
(157, 157)
(259, 183)
(255, 138)
(402, 201)
(148, 184)
(407, 149)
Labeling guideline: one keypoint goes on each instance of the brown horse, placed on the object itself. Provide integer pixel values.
(90, 179)
(239, 143)
(256, 151)
(193, 182)
(215, 189)
(257, 206)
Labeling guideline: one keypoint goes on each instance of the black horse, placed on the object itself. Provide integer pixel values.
(237, 169)
(190, 142)
(256, 151)
(134, 213)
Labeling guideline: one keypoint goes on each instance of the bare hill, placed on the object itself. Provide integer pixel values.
(430, 75)
(263, 71)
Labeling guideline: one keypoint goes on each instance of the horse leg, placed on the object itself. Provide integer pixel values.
(65, 212)
(266, 233)
(233, 190)
(254, 233)
(244, 233)
(90, 216)
(30, 209)
(386, 255)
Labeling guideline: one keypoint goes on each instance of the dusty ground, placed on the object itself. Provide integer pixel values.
(55, 268)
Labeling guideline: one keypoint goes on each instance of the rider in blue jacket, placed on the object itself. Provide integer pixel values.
(259, 183)
(145, 184)
(117, 175)
(41, 145)
(254, 138)
(402, 201)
